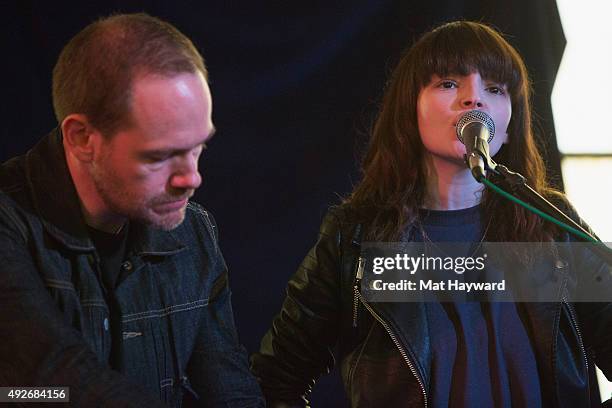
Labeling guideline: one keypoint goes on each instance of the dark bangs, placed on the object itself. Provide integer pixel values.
(463, 47)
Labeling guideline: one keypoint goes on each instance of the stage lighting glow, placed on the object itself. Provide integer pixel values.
(581, 176)
(581, 102)
(582, 107)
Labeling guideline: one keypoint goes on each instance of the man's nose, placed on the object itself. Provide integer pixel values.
(188, 176)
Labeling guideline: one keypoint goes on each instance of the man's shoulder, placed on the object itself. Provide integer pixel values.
(200, 222)
(198, 211)
(7, 204)
(198, 232)
(21, 175)
(13, 176)
(16, 205)
(12, 216)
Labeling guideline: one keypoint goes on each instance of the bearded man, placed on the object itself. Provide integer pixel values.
(112, 281)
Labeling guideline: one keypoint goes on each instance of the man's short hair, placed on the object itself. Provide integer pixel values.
(96, 69)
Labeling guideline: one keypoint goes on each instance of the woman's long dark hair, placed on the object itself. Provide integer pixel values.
(393, 186)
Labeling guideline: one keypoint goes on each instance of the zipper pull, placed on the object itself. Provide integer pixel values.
(358, 277)
(360, 267)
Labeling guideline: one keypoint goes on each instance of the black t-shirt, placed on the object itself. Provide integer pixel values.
(111, 249)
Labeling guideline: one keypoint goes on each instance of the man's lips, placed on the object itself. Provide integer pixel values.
(173, 205)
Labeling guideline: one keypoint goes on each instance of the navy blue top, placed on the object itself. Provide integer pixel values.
(481, 351)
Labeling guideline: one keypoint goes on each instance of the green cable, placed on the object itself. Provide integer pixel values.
(535, 210)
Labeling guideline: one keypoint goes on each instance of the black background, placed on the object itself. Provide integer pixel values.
(295, 86)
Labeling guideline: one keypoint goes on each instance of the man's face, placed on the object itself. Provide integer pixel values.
(148, 171)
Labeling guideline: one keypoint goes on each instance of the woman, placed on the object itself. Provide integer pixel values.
(416, 187)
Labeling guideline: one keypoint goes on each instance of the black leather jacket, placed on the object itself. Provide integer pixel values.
(384, 348)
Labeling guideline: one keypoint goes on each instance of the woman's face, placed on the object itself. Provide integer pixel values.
(441, 103)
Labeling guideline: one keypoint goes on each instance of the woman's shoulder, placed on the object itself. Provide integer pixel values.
(345, 214)
(561, 201)
(345, 222)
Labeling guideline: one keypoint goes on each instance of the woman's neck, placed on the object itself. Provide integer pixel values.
(451, 186)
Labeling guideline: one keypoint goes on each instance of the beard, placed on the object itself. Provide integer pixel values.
(136, 205)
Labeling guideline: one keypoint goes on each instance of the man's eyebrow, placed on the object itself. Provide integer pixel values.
(171, 151)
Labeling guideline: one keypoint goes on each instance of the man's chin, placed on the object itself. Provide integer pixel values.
(166, 221)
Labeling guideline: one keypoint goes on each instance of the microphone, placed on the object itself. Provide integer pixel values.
(475, 129)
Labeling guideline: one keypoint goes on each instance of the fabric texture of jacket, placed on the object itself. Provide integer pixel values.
(384, 348)
(179, 342)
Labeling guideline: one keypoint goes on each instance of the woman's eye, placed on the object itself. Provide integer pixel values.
(448, 84)
(498, 90)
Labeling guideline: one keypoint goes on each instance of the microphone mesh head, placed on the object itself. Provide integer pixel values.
(475, 116)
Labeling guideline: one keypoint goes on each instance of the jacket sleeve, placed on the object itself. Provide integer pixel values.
(595, 317)
(297, 349)
(38, 348)
(218, 368)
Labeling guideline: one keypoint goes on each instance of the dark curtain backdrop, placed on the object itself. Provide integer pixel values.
(295, 87)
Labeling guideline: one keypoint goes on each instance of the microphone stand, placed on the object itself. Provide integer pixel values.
(519, 186)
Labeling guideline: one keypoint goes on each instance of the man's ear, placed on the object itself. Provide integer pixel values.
(79, 136)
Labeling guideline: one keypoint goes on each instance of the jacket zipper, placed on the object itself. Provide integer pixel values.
(575, 324)
(359, 298)
(358, 277)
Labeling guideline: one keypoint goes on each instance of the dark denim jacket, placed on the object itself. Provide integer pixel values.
(179, 339)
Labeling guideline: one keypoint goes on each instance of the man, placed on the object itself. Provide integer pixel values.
(112, 282)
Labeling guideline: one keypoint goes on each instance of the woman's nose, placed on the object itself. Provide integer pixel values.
(471, 97)
(472, 101)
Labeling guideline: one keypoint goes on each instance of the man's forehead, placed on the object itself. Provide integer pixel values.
(174, 109)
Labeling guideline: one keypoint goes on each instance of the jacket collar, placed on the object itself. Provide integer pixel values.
(57, 203)
(147, 241)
